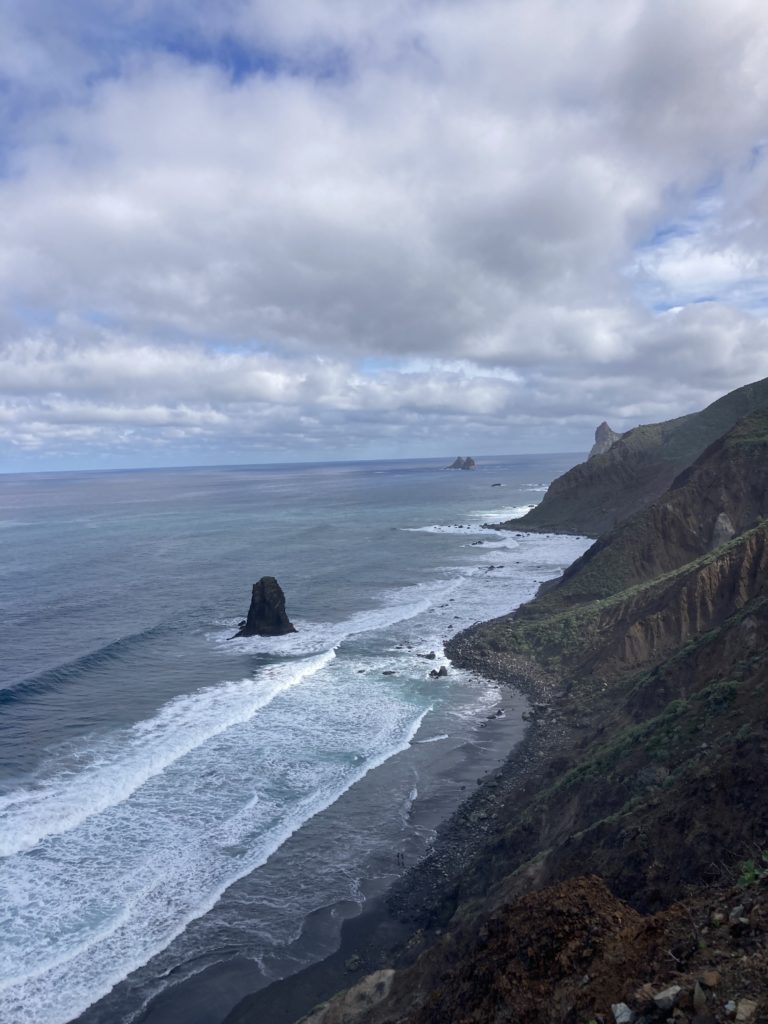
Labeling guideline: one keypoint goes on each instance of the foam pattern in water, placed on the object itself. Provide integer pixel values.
(107, 856)
(99, 899)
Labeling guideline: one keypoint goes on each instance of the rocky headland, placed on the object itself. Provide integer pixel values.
(636, 469)
(615, 868)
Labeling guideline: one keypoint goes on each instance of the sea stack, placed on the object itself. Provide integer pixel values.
(460, 463)
(266, 616)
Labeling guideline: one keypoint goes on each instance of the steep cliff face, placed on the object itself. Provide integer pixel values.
(631, 629)
(724, 493)
(595, 495)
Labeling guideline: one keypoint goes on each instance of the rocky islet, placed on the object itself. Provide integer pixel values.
(266, 614)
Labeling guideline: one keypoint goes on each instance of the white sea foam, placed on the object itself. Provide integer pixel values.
(398, 605)
(115, 769)
(101, 899)
(499, 514)
(480, 517)
(456, 528)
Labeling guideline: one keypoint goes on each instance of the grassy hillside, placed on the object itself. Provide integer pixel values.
(594, 496)
(724, 492)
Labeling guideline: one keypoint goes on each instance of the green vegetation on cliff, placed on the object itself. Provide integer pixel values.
(636, 625)
(596, 495)
(723, 493)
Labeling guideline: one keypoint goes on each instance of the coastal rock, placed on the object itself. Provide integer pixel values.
(266, 616)
(461, 463)
(605, 438)
(438, 673)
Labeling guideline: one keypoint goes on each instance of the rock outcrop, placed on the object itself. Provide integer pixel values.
(605, 437)
(266, 615)
(462, 463)
(723, 530)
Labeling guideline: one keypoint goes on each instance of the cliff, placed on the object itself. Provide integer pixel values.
(596, 495)
(723, 494)
(615, 867)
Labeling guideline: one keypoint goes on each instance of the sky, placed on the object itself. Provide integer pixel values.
(241, 231)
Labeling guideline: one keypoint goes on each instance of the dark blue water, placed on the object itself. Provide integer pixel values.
(170, 797)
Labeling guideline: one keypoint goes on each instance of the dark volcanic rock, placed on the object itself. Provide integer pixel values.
(460, 463)
(266, 616)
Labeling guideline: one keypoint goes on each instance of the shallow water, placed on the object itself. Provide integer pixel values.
(170, 797)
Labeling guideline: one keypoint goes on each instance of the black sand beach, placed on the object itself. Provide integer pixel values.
(367, 934)
(394, 928)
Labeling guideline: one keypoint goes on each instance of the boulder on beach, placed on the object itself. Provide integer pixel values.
(266, 616)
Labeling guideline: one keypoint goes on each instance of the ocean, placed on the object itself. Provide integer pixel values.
(172, 798)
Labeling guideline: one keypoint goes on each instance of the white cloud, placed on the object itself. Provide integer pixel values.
(197, 243)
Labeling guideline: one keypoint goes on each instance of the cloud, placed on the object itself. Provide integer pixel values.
(218, 213)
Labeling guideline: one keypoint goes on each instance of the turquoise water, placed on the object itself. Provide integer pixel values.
(170, 797)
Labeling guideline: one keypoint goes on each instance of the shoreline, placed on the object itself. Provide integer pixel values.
(398, 925)
(214, 993)
(374, 930)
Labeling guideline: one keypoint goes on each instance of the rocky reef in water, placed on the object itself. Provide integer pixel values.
(266, 614)
(615, 868)
(462, 463)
